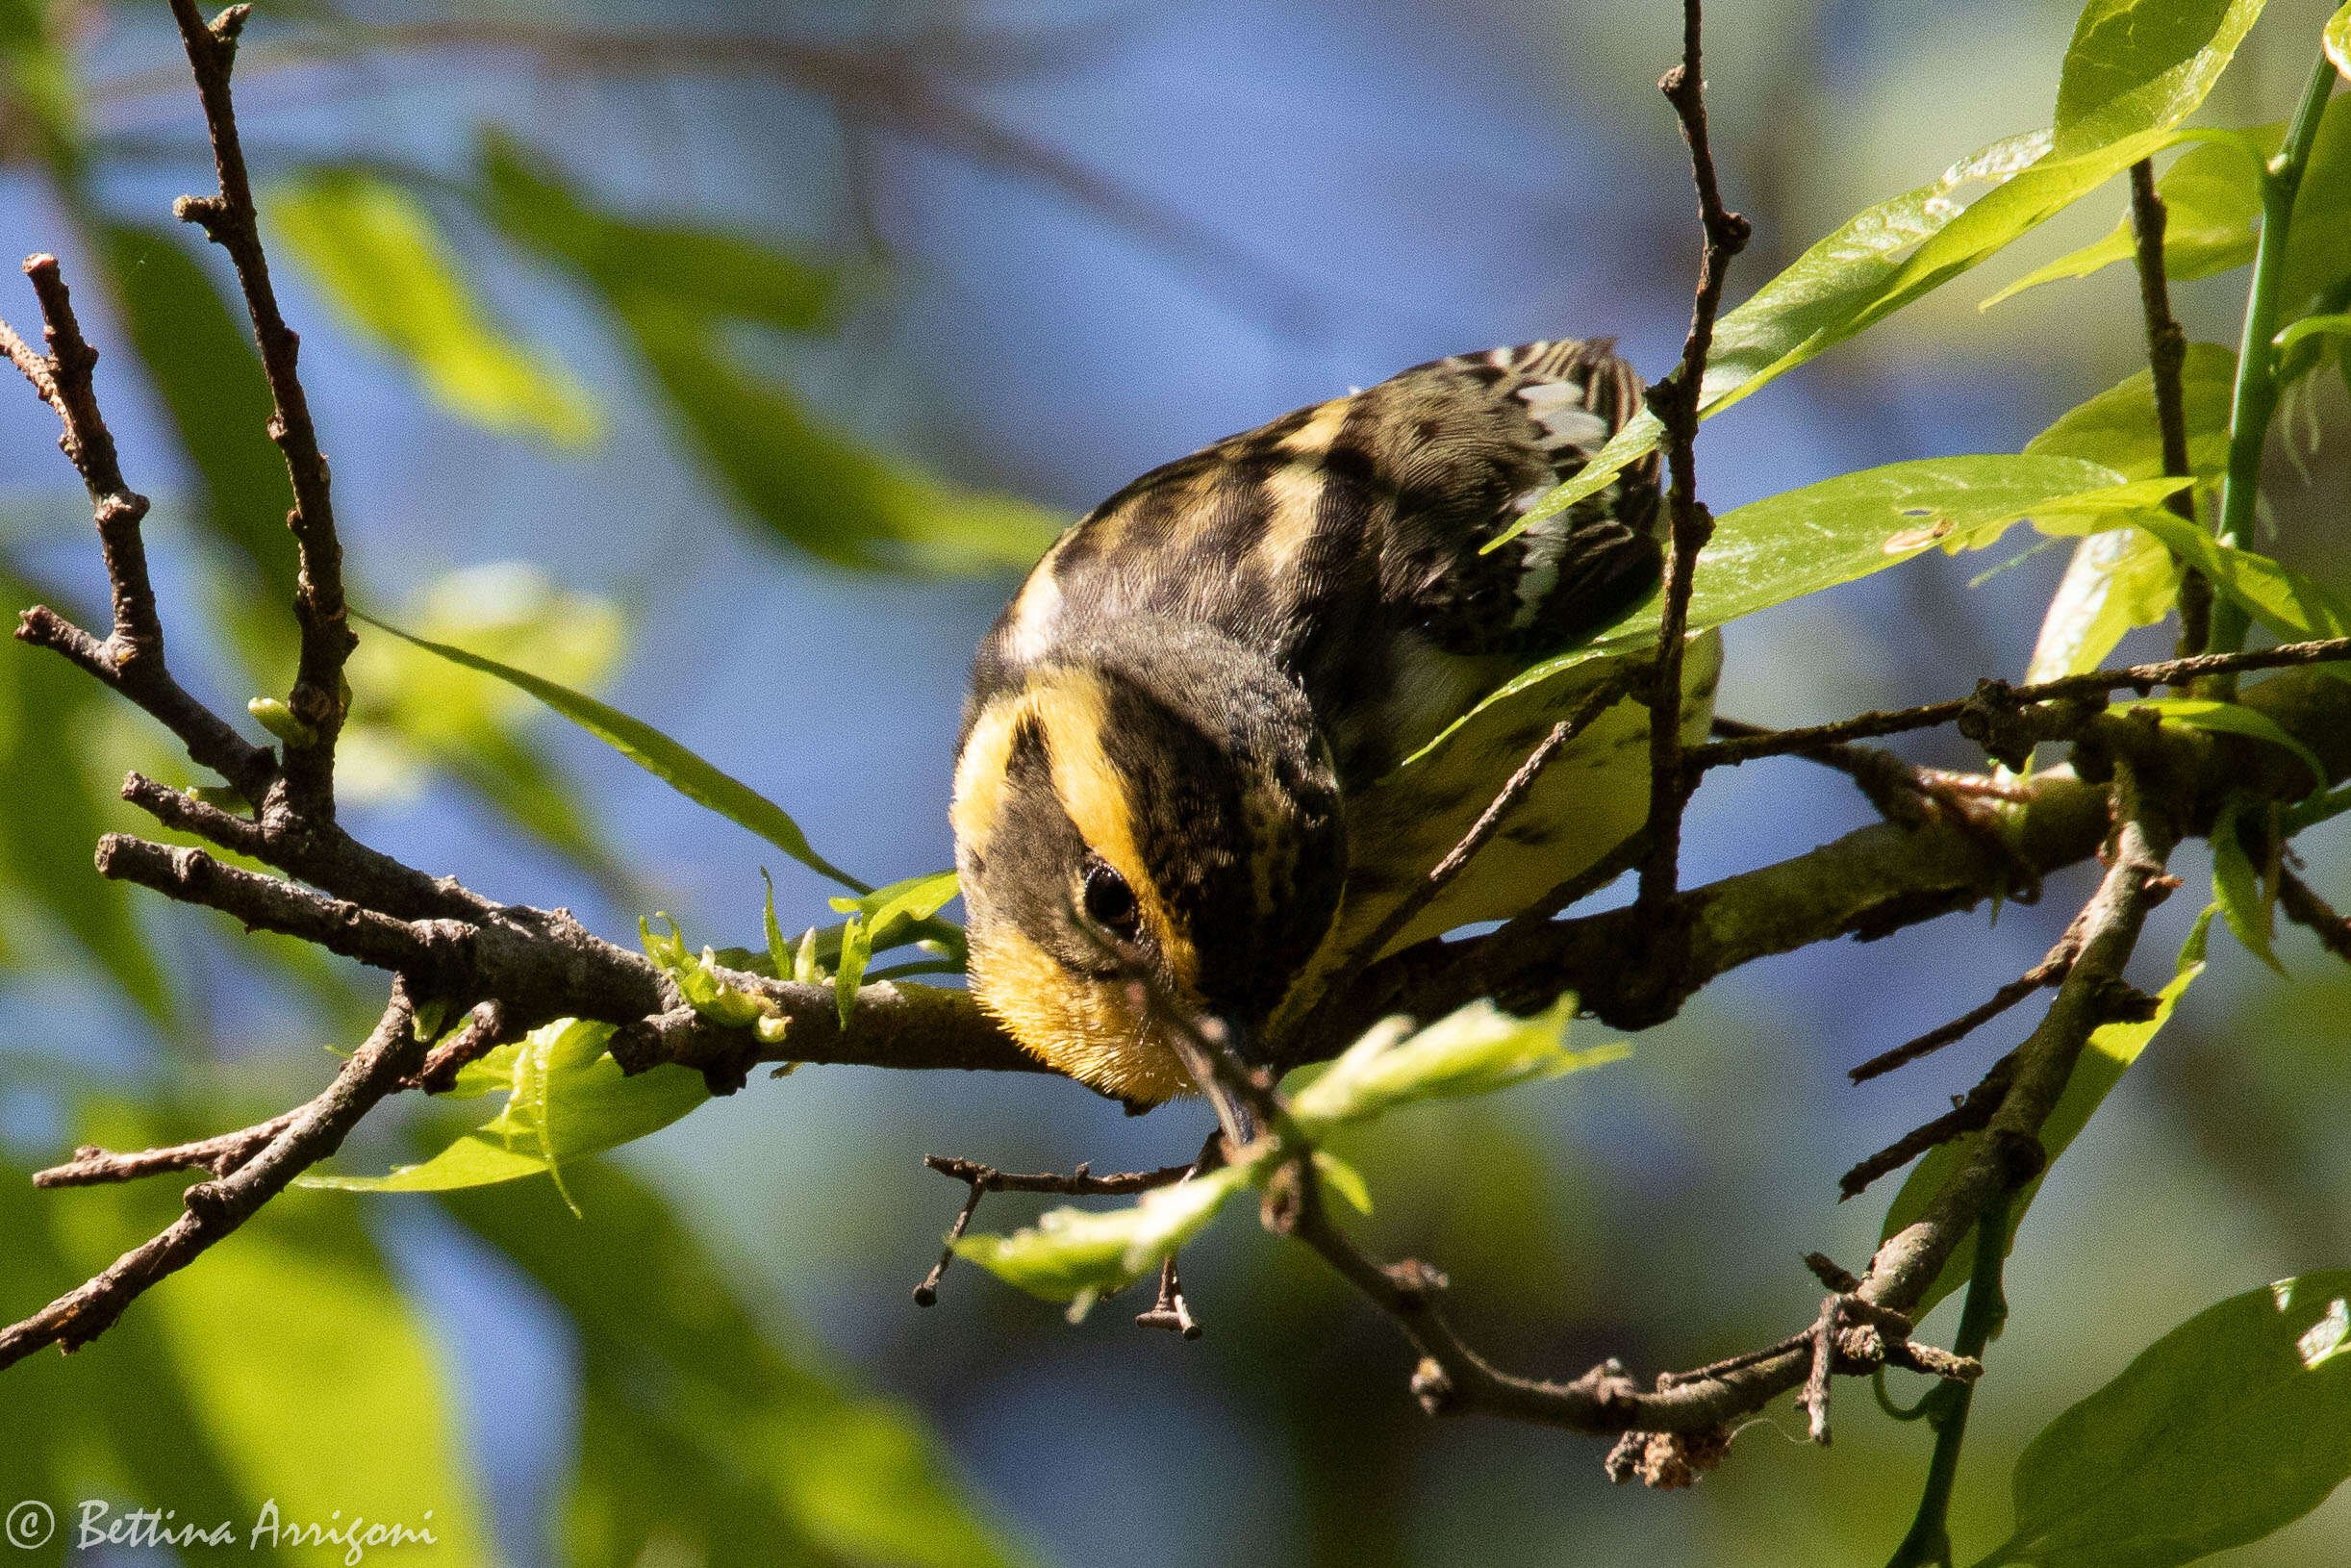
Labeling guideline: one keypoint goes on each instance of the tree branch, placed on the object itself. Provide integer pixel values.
(2166, 358)
(131, 659)
(229, 219)
(1676, 403)
(217, 1207)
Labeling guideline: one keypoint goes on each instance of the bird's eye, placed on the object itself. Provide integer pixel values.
(1110, 904)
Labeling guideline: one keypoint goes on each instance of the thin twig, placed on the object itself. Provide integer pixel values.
(484, 1031)
(2000, 695)
(2166, 359)
(130, 660)
(1676, 402)
(1972, 1114)
(984, 1179)
(2305, 907)
(2050, 970)
(217, 1207)
(229, 218)
(1171, 1311)
(222, 1155)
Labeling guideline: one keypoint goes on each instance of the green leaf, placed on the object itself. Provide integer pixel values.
(2281, 599)
(1476, 1050)
(762, 1455)
(2136, 63)
(37, 79)
(2213, 217)
(679, 292)
(882, 918)
(2232, 719)
(649, 749)
(2118, 579)
(2118, 428)
(1803, 541)
(2336, 324)
(566, 1097)
(1635, 441)
(721, 274)
(2337, 39)
(1343, 1179)
(780, 956)
(705, 989)
(377, 255)
(813, 486)
(2319, 246)
(2107, 1055)
(188, 1406)
(1074, 1254)
(2245, 903)
(2236, 1423)
(1903, 248)
(412, 713)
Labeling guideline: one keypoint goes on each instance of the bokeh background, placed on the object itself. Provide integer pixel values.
(1059, 244)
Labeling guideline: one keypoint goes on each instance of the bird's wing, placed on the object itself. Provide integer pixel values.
(1471, 442)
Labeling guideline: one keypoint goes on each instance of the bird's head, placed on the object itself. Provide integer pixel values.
(1154, 814)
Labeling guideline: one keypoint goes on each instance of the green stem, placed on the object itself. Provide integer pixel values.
(2256, 396)
(1929, 1541)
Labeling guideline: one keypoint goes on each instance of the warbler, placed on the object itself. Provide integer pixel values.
(1183, 755)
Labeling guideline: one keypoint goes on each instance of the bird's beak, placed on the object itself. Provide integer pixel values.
(1205, 1035)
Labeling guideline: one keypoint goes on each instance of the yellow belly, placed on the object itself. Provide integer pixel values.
(1592, 798)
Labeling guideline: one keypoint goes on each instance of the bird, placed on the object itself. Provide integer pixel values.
(1187, 764)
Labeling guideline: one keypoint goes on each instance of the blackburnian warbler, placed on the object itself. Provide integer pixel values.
(1180, 757)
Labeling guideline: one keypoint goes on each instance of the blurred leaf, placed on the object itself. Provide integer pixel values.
(1803, 541)
(760, 1461)
(2118, 428)
(412, 712)
(2338, 40)
(122, 1417)
(1343, 1179)
(2249, 908)
(676, 290)
(650, 750)
(2118, 579)
(2136, 64)
(2232, 719)
(720, 274)
(294, 1330)
(37, 76)
(2233, 1423)
(566, 1097)
(1474, 1050)
(2212, 218)
(882, 917)
(2281, 599)
(2109, 1051)
(2318, 243)
(376, 255)
(49, 717)
(200, 358)
(825, 493)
